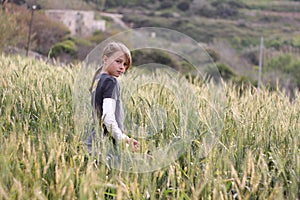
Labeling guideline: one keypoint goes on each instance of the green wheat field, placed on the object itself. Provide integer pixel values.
(43, 156)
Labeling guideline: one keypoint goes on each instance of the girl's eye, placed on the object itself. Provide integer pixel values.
(118, 61)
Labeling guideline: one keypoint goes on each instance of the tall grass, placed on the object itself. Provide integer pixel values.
(257, 155)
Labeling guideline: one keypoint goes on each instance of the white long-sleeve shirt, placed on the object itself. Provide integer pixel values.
(109, 119)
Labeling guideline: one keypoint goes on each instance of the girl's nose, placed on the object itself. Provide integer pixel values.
(122, 66)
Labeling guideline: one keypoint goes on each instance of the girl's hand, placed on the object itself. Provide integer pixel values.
(133, 142)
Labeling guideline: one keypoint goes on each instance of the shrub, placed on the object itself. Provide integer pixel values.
(280, 62)
(113, 3)
(225, 11)
(293, 69)
(276, 43)
(97, 37)
(67, 46)
(244, 82)
(296, 41)
(166, 4)
(240, 43)
(19, 2)
(226, 71)
(140, 57)
(237, 4)
(167, 14)
(47, 32)
(205, 10)
(213, 54)
(14, 26)
(9, 30)
(252, 57)
(183, 6)
(269, 19)
(84, 46)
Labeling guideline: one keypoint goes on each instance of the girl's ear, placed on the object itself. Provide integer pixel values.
(104, 59)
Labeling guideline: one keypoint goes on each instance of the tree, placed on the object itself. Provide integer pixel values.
(10, 30)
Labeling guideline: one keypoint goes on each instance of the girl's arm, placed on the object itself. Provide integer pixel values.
(109, 107)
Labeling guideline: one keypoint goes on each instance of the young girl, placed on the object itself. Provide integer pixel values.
(105, 90)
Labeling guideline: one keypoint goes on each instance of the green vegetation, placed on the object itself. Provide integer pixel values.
(278, 6)
(289, 68)
(257, 155)
(12, 29)
(7, 29)
(296, 41)
(67, 46)
(75, 47)
(140, 57)
(46, 33)
(226, 72)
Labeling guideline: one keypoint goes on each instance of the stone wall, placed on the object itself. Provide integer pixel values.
(81, 23)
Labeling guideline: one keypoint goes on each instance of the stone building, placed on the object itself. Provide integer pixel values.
(81, 23)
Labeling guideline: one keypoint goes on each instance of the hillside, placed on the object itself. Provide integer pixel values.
(230, 29)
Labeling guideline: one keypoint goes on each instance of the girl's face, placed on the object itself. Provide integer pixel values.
(115, 65)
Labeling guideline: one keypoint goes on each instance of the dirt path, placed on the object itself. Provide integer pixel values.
(117, 18)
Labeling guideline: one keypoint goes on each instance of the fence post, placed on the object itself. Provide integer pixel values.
(30, 27)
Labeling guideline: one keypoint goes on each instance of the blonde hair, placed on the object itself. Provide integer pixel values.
(109, 50)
